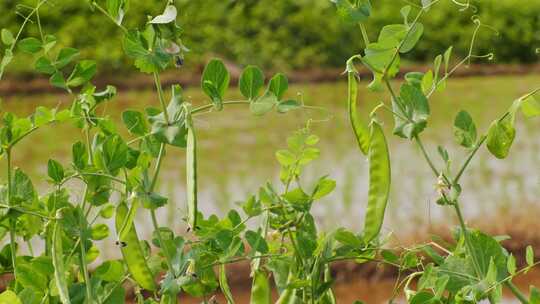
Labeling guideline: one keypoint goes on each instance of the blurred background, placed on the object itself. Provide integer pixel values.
(305, 39)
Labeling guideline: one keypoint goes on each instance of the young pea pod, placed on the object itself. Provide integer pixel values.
(360, 128)
(191, 172)
(379, 182)
(132, 251)
(224, 285)
(260, 291)
(58, 263)
(288, 296)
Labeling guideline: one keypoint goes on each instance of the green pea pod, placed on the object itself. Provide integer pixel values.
(328, 297)
(360, 128)
(133, 253)
(126, 226)
(191, 173)
(379, 182)
(58, 263)
(288, 296)
(224, 285)
(260, 291)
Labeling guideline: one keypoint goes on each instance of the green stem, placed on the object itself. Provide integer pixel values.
(210, 106)
(519, 295)
(104, 12)
(364, 34)
(84, 267)
(159, 89)
(12, 237)
(161, 243)
(468, 160)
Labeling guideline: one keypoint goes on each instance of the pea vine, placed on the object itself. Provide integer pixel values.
(114, 178)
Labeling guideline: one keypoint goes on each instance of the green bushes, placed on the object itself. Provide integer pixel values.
(289, 33)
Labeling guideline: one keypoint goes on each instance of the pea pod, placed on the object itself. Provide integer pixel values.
(132, 251)
(379, 181)
(128, 221)
(191, 173)
(260, 291)
(360, 129)
(224, 285)
(288, 296)
(58, 263)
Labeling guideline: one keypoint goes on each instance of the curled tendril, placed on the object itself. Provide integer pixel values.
(464, 5)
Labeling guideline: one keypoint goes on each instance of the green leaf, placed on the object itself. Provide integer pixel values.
(117, 9)
(263, 104)
(416, 107)
(110, 271)
(285, 106)
(168, 16)
(58, 80)
(257, 243)
(324, 187)
(44, 65)
(511, 265)
(113, 153)
(9, 297)
(422, 297)
(348, 238)
(251, 81)
(135, 122)
(23, 191)
(215, 81)
(534, 297)
(7, 37)
(42, 116)
(530, 107)
(379, 55)
(8, 56)
(501, 136)
(107, 211)
(427, 81)
(99, 232)
(55, 171)
(278, 85)
(83, 72)
(529, 256)
(465, 130)
(30, 45)
(353, 13)
(285, 157)
(65, 56)
(412, 39)
(80, 155)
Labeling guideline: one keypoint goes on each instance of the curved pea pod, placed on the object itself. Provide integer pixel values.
(58, 263)
(379, 182)
(288, 296)
(224, 285)
(359, 127)
(132, 251)
(260, 291)
(191, 173)
(168, 299)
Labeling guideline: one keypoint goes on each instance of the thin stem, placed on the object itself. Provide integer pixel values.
(157, 169)
(468, 160)
(210, 106)
(23, 25)
(426, 156)
(161, 243)
(467, 238)
(159, 89)
(104, 12)
(364, 34)
(515, 290)
(84, 267)
(12, 237)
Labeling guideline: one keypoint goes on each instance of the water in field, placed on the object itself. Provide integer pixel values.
(237, 155)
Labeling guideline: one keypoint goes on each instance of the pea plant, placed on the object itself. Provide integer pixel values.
(112, 177)
(474, 266)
